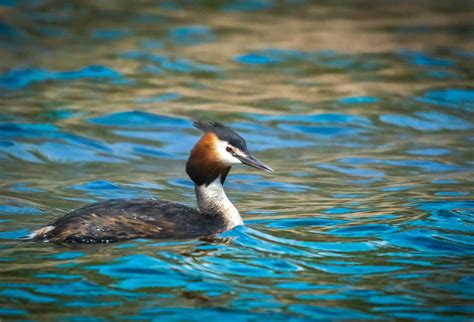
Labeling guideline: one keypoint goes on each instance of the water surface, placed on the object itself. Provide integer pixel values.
(365, 111)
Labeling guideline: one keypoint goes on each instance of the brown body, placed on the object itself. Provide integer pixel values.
(123, 219)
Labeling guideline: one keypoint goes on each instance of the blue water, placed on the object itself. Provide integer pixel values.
(366, 115)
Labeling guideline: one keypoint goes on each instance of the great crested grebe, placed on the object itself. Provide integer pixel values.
(121, 219)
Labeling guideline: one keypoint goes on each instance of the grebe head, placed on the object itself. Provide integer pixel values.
(219, 148)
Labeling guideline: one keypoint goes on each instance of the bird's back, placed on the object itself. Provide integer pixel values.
(123, 219)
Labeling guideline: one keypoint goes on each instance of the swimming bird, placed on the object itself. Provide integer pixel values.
(122, 219)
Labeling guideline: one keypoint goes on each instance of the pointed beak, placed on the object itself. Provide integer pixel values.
(251, 161)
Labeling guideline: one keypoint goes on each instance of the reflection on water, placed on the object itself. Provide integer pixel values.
(364, 111)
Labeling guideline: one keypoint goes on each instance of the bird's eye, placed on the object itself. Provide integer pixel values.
(230, 150)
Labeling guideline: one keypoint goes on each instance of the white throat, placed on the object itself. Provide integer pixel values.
(212, 200)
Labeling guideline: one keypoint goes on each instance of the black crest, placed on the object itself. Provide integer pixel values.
(223, 132)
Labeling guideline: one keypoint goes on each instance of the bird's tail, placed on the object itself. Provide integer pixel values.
(38, 234)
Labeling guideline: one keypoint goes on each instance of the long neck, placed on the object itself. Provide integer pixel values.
(213, 201)
(208, 174)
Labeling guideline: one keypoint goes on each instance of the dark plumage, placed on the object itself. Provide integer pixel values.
(122, 219)
(223, 132)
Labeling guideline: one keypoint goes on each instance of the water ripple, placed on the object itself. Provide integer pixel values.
(138, 119)
(326, 59)
(19, 78)
(369, 214)
(451, 97)
(163, 63)
(192, 35)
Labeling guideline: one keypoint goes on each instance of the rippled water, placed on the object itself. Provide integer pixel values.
(364, 109)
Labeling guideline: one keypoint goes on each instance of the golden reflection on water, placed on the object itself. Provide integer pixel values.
(365, 28)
